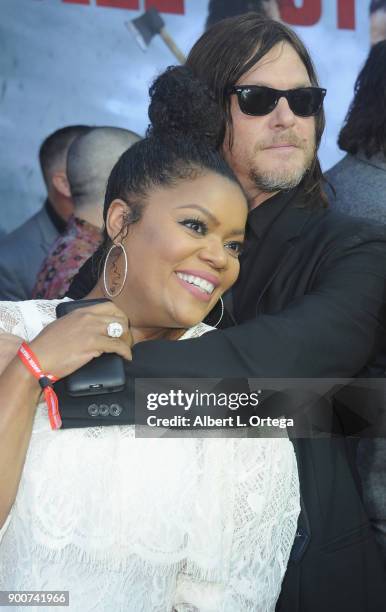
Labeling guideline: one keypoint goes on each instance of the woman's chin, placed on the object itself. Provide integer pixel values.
(187, 322)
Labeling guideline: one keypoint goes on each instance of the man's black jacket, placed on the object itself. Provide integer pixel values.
(311, 297)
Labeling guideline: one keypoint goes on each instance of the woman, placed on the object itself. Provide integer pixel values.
(145, 525)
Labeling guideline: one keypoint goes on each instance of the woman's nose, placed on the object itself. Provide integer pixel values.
(214, 253)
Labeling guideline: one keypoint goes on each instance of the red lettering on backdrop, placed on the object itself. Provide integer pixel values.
(122, 4)
(306, 15)
(166, 6)
(346, 14)
(77, 1)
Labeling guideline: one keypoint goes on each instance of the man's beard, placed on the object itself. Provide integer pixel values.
(279, 179)
(276, 180)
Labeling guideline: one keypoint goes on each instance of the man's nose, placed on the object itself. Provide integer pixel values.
(282, 115)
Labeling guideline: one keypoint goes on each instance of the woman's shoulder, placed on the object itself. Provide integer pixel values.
(27, 318)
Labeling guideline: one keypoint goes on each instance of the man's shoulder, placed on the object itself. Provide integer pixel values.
(37, 230)
(343, 167)
(24, 232)
(336, 225)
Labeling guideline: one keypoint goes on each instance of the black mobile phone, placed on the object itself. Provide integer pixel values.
(97, 393)
(105, 374)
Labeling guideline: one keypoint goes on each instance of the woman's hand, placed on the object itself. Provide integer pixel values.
(9, 345)
(73, 340)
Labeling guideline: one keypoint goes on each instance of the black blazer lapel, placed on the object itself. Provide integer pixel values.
(266, 257)
(281, 238)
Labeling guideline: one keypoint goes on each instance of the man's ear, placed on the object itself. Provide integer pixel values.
(116, 217)
(61, 184)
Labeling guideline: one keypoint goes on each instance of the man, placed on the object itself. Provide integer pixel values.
(310, 295)
(377, 21)
(359, 181)
(23, 250)
(221, 9)
(90, 160)
(359, 178)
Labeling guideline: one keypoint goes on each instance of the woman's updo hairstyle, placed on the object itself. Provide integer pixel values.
(182, 142)
(182, 106)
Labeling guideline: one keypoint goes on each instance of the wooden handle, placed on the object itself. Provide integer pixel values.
(172, 46)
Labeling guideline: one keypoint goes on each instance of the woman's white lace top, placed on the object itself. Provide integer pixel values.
(147, 525)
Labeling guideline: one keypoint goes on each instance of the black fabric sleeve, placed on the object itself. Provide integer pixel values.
(332, 331)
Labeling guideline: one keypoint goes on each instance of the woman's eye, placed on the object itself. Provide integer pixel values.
(196, 225)
(236, 247)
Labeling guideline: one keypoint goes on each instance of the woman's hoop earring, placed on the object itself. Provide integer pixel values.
(113, 295)
(222, 313)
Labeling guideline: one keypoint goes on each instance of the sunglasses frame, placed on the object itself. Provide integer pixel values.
(279, 93)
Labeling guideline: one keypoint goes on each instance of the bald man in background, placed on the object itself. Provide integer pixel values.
(89, 162)
(23, 250)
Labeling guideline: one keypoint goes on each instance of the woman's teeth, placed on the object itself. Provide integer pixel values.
(204, 285)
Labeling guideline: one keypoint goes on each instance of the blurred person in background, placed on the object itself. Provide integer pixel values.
(377, 21)
(359, 179)
(90, 160)
(359, 188)
(23, 250)
(221, 9)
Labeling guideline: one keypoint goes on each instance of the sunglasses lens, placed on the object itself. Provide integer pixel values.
(305, 102)
(257, 100)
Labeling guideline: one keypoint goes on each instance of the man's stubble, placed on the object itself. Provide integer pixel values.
(287, 177)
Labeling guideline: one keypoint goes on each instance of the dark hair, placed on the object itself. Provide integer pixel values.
(377, 5)
(53, 149)
(221, 9)
(180, 144)
(365, 123)
(232, 47)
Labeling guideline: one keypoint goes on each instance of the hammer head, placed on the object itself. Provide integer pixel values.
(145, 27)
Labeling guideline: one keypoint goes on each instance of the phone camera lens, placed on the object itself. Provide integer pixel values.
(115, 410)
(104, 410)
(93, 410)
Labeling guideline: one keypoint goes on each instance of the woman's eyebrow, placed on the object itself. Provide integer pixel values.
(213, 218)
(205, 211)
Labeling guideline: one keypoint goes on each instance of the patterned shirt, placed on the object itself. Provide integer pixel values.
(67, 255)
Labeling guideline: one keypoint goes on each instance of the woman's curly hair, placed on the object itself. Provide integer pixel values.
(364, 127)
(182, 105)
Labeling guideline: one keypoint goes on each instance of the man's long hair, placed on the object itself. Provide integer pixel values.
(364, 128)
(230, 49)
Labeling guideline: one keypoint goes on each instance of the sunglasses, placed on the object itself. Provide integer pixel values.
(260, 100)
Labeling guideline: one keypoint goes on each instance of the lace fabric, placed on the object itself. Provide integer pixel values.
(147, 525)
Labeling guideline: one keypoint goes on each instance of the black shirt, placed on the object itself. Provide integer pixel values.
(248, 284)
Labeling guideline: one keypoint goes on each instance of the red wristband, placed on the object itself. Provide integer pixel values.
(45, 381)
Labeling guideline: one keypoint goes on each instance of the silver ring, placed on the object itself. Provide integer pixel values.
(114, 330)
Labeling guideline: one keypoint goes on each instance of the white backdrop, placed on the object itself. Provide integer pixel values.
(65, 62)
